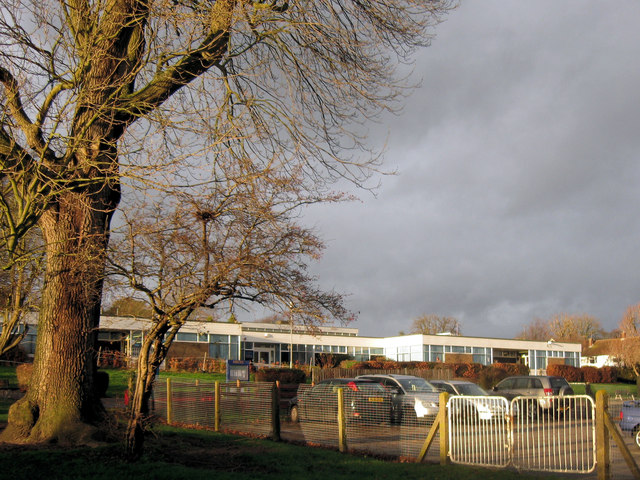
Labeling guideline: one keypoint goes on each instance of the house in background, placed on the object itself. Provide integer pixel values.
(601, 353)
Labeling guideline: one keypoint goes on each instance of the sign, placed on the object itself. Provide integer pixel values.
(237, 370)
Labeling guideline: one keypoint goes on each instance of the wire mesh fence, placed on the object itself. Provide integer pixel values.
(618, 466)
(370, 425)
(551, 434)
(245, 408)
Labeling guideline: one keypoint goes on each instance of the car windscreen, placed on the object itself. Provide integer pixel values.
(470, 389)
(416, 385)
(558, 382)
(371, 388)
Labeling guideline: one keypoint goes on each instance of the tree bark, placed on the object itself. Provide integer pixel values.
(60, 404)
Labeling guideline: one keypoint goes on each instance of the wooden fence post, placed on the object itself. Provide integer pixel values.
(169, 402)
(602, 437)
(444, 429)
(342, 431)
(275, 412)
(216, 407)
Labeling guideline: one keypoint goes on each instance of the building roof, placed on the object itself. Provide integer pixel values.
(606, 346)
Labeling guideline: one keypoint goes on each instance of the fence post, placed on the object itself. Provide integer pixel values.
(444, 429)
(342, 432)
(440, 424)
(602, 437)
(169, 402)
(275, 412)
(216, 407)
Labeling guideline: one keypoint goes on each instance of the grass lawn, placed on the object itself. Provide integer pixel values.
(175, 454)
(625, 389)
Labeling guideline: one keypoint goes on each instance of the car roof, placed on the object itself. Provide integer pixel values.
(389, 375)
(453, 382)
(345, 380)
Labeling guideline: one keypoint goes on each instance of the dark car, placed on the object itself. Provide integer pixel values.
(412, 398)
(364, 400)
(548, 391)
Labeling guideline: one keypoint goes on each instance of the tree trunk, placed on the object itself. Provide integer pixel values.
(138, 416)
(139, 408)
(60, 404)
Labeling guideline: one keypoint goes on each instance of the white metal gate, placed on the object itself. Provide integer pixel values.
(553, 434)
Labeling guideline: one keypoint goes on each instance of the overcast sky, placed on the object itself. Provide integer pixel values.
(518, 186)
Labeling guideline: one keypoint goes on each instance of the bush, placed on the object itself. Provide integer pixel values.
(608, 374)
(626, 375)
(112, 359)
(330, 360)
(283, 375)
(491, 375)
(569, 372)
(590, 374)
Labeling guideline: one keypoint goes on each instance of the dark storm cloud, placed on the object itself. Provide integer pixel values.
(517, 193)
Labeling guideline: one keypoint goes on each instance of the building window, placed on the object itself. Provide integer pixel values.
(187, 337)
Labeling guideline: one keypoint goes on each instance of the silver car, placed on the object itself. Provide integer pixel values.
(549, 393)
(477, 402)
(412, 398)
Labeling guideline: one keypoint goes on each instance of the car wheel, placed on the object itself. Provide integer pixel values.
(638, 437)
(293, 413)
(532, 409)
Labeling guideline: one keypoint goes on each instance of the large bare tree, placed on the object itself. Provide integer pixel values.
(103, 96)
(563, 327)
(238, 242)
(628, 347)
(431, 324)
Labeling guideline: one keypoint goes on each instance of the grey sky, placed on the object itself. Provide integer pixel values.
(517, 193)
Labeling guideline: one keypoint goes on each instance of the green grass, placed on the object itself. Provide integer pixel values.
(176, 454)
(612, 389)
(172, 453)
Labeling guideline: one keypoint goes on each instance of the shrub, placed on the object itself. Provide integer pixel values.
(569, 372)
(608, 374)
(626, 375)
(513, 369)
(590, 374)
(330, 360)
(349, 364)
(491, 375)
(283, 375)
(112, 359)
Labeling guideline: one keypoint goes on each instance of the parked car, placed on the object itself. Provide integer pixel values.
(412, 398)
(483, 405)
(630, 418)
(548, 391)
(365, 401)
